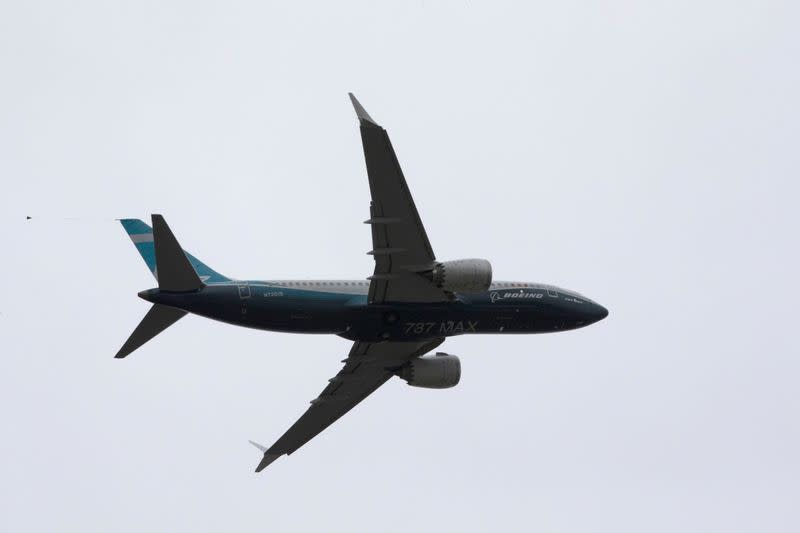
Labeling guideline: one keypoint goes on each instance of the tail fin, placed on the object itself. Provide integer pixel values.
(159, 318)
(142, 236)
(174, 273)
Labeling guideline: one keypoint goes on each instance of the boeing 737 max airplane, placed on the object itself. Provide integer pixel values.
(407, 308)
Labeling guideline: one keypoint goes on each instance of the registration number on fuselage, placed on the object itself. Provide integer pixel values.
(449, 327)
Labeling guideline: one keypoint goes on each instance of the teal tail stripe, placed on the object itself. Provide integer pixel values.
(142, 236)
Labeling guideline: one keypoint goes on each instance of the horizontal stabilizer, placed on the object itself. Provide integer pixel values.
(159, 318)
(173, 269)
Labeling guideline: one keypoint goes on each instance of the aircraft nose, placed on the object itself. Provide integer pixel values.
(587, 313)
(598, 312)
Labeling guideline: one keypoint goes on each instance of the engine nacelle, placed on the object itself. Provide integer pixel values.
(463, 275)
(440, 371)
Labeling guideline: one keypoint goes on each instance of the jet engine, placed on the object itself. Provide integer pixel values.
(440, 371)
(463, 275)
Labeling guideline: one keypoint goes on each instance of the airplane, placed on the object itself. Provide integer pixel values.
(407, 308)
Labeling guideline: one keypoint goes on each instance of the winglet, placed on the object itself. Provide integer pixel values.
(259, 446)
(363, 116)
(268, 457)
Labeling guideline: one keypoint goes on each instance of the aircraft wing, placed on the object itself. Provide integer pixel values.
(400, 245)
(367, 367)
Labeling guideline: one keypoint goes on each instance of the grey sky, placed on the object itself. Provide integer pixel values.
(642, 153)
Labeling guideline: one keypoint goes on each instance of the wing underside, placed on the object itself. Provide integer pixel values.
(367, 367)
(403, 256)
(400, 245)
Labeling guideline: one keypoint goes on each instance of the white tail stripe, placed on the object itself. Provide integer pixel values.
(142, 237)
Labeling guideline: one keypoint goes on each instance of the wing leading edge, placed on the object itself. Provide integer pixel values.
(367, 367)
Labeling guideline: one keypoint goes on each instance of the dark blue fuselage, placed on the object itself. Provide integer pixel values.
(323, 307)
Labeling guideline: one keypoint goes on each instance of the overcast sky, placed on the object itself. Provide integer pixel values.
(642, 153)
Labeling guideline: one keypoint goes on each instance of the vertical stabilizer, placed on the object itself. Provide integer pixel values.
(142, 236)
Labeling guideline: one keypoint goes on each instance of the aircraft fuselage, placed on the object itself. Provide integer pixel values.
(341, 308)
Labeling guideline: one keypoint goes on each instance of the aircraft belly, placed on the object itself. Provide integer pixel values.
(401, 322)
(293, 315)
(299, 316)
(414, 323)
(373, 323)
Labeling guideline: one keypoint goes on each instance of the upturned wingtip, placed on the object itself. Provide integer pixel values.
(360, 111)
(259, 446)
(268, 457)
